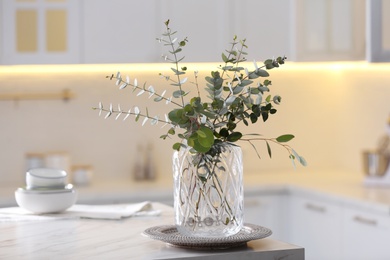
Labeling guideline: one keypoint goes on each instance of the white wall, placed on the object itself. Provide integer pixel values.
(334, 111)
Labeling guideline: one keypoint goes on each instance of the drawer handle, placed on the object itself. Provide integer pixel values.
(316, 208)
(371, 222)
(252, 203)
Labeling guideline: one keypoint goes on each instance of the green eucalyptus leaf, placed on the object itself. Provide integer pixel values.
(208, 114)
(224, 58)
(158, 99)
(178, 116)
(178, 93)
(284, 138)
(209, 80)
(302, 161)
(262, 73)
(176, 51)
(264, 115)
(194, 143)
(231, 125)
(201, 134)
(177, 72)
(269, 149)
(176, 146)
(237, 89)
(233, 137)
(171, 131)
(253, 118)
(205, 136)
(246, 83)
(267, 82)
(227, 67)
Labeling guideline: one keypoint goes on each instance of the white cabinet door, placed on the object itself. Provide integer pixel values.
(40, 32)
(315, 225)
(378, 30)
(211, 26)
(121, 31)
(366, 235)
(265, 25)
(328, 30)
(267, 211)
(205, 24)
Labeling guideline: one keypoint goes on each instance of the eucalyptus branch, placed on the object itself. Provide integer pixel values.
(146, 90)
(176, 62)
(196, 82)
(112, 111)
(287, 147)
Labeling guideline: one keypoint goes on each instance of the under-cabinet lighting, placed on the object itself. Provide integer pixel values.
(112, 68)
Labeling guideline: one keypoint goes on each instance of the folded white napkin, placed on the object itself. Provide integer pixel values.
(116, 211)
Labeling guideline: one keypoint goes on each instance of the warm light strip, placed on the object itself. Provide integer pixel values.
(112, 68)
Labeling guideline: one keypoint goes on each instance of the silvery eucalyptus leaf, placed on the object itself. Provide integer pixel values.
(117, 116)
(140, 92)
(144, 121)
(107, 115)
(128, 114)
(154, 121)
(136, 111)
(123, 85)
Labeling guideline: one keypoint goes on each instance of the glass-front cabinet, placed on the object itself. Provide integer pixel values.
(40, 31)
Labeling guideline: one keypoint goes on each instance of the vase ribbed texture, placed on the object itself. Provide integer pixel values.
(208, 201)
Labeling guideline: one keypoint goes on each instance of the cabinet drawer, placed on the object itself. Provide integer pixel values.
(314, 206)
(367, 219)
(365, 235)
(315, 225)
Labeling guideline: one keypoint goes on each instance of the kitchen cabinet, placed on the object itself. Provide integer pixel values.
(378, 30)
(316, 225)
(117, 37)
(267, 210)
(121, 31)
(265, 25)
(40, 32)
(366, 234)
(326, 30)
(202, 23)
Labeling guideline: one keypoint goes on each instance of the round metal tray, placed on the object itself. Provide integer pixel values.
(170, 235)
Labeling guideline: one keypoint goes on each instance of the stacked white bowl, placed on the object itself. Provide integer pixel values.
(46, 191)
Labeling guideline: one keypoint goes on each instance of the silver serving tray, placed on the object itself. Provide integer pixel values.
(170, 235)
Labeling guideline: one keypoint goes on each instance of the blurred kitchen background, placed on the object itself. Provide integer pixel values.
(55, 56)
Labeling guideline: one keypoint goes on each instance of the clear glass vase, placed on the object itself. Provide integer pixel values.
(208, 191)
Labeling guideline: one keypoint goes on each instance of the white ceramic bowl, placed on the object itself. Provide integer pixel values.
(46, 178)
(38, 202)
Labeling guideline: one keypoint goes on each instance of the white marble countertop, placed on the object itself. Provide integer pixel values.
(118, 239)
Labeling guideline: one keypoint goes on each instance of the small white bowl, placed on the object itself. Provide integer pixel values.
(38, 202)
(46, 178)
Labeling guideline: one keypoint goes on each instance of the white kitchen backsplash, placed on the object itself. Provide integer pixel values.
(334, 110)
